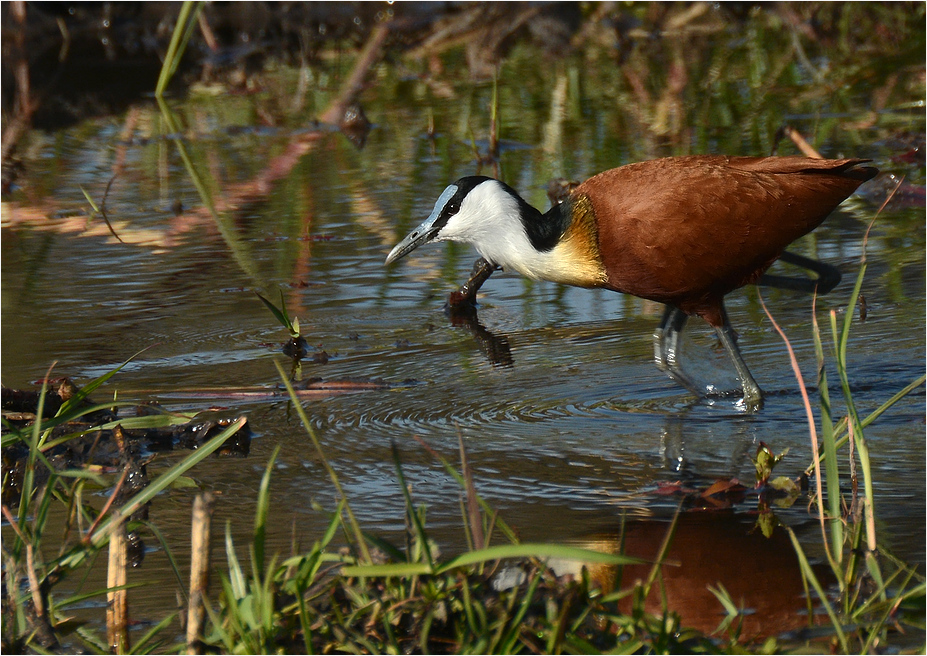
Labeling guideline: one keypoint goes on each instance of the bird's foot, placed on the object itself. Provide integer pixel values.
(460, 300)
(464, 299)
(750, 400)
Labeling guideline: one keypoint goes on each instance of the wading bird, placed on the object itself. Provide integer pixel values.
(684, 231)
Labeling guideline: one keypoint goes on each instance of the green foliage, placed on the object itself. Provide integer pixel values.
(186, 23)
(868, 602)
(764, 462)
(31, 613)
(292, 325)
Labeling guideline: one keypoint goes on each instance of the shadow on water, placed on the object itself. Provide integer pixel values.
(567, 422)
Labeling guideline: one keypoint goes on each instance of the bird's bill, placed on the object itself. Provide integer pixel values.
(426, 232)
(421, 235)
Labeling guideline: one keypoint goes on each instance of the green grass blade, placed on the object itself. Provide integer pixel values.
(89, 199)
(170, 556)
(146, 644)
(514, 632)
(84, 596)
(186, 21)
(71, 404)
(225, 223)
(355, 526)
(812, 578)
(855, 425)
(410, 508)
(236, 575)
(522, 550)
(392, 569)
(131, 423)
(25, 498)
(457, 476)
(840, 428)
(281, 314)
(260, 517)
(831, 467)
(537, 550)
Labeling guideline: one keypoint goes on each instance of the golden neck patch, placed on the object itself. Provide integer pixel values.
(578, 248)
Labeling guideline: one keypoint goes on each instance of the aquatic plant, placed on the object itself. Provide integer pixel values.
(32, 616)
(867, 602)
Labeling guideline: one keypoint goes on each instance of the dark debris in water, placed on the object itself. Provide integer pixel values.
(104, 451)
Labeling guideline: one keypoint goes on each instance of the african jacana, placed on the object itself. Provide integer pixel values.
(684, 231)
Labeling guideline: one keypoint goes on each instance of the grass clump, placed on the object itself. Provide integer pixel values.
(875, 592)
(35, 559)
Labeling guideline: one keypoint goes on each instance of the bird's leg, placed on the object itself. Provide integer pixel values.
(753, 395)
(666, 347)
(466, 295)
(828, 275)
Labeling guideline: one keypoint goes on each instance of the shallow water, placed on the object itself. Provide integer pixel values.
(577, 431)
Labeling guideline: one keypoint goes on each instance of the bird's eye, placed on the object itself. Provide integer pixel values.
(452, 207)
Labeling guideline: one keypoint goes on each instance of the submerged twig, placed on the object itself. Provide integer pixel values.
(103, 209)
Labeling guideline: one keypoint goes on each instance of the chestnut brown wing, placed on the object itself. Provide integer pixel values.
(688, 230)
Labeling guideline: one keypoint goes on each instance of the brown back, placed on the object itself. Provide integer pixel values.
(688, 230)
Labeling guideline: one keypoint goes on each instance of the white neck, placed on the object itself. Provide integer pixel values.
(490, 220)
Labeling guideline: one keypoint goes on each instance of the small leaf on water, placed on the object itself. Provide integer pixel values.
(280, 316)
(765, 461)
(723, 485)
(784, 484)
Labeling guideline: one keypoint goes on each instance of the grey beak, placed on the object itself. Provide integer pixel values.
(421, 235)
(426, 232)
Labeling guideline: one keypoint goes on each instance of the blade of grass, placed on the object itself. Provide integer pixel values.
(522, 550)
(224, 222)
(420, 534)
(815, 448)
(514, 632)
(281, 314)
(831, 468)
(449, 468)
(355, 526)
(132, 423)
(810, 576)
(841, 426)
(183, 29)
(169, 554)
(854, 426)
(236, 575)
(88, 389)
(147, 643)
(260, 517)
(25, 498)
(101, 211)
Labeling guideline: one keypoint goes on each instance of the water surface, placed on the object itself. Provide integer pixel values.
(577, 431)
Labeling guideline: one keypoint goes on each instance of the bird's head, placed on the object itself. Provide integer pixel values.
(475, 210)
